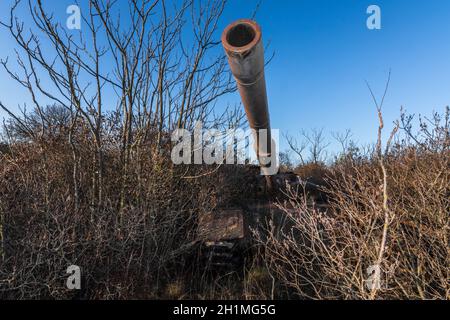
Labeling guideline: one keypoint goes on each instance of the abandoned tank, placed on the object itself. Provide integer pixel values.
(226, 232)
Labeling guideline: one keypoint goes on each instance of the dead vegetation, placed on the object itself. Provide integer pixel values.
(142, 247)
(147, 246)
(87, 178)
(394, 216)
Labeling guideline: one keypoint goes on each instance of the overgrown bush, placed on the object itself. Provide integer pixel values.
(398, 225)
(132, 243)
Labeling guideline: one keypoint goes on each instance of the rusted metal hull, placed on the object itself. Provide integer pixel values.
(224, 225)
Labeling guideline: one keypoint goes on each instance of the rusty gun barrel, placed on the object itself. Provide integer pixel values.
(243, 44)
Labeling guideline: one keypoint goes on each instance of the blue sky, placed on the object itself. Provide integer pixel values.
(323, 55)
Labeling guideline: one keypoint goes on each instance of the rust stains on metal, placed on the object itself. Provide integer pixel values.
(243, 45)
(225, 225)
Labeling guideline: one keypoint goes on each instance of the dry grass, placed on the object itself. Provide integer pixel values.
(131, 248)
(143, 243)
(398, 220)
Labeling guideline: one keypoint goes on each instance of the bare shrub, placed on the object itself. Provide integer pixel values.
(325, 254)
(88, 180)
